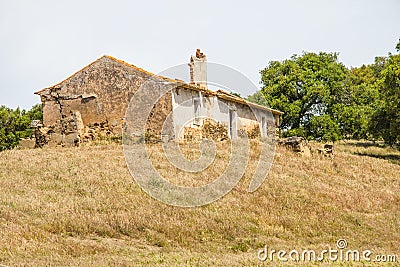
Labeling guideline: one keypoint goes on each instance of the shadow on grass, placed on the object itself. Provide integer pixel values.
(365, 144)
(393, 158)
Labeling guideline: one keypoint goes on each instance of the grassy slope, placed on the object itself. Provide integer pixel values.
(81, 206)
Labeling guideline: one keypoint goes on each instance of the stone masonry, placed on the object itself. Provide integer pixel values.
(93, 99)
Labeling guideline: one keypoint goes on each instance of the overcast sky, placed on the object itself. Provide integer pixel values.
(43, 42)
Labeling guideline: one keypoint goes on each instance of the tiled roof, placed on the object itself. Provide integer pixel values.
(112, 58)
(180, 83)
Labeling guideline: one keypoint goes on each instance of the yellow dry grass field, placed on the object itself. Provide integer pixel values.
(80, 206)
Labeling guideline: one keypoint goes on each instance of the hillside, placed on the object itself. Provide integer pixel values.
(80, 206)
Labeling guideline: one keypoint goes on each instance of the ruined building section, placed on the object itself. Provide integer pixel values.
(199, 113)
(148, 122)
(68, 131)
(232, 116)
(92, 103)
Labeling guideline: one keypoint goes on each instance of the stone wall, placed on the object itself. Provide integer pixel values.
(67, 131)
(100, 93)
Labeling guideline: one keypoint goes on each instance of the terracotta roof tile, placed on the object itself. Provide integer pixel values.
(180, 83)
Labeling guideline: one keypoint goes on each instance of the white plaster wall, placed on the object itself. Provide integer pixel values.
(212, 107)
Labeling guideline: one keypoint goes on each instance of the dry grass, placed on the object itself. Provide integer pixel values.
(80, 206)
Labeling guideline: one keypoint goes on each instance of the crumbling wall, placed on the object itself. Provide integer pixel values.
(159, 125)
(252, 131)
(100, 93)
(209, 129)
(214, 130)
(67, 131)
(247, 122)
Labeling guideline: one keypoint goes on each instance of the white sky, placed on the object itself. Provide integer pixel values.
(43, 42)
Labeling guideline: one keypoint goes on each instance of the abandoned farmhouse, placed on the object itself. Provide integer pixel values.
(93, 103)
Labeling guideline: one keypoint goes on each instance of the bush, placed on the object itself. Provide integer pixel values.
(15, 125)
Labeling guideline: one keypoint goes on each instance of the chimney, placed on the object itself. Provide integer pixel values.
(198, 69)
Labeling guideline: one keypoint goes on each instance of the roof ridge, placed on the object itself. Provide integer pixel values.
(129, 65)
(139, 69)
(185, 84)
(114, 59)
(85, 67)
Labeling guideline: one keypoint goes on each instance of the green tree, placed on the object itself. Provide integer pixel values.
(35, 113)
(15, 124)
(355, 110)
(324, 128)
(385, 122)
(304, 87)
(258, 98)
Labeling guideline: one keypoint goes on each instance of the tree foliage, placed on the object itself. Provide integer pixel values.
(385, 122)
(258, 98)
(354, 112)
(305, 87)
(324, 100)
(15, 124)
